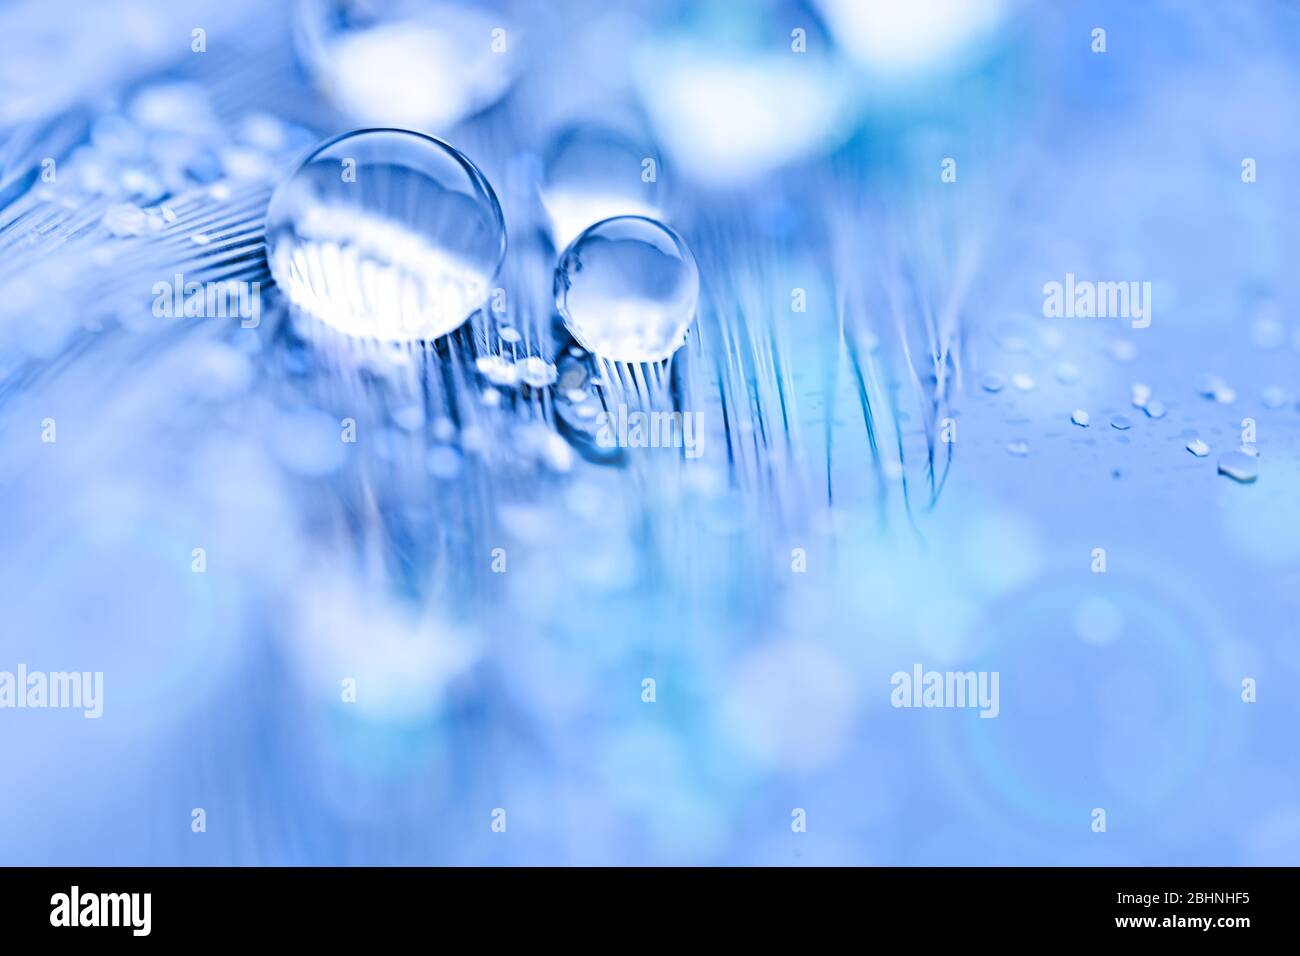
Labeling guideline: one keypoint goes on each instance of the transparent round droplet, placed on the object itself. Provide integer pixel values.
(407, 63)
(387, 234)
(627, 288)
(592, 173)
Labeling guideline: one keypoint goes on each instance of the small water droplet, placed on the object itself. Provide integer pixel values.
(1198, 448)
(509, 335)
(1022, 381)
(1080, 418)
(1141, 394)
(537, 372)
(1019, 448)
(1274, 397)
(1155, 409)
(991, 383)
(627, 289)
(1239, 467)
(1120, 422)
(497, 369)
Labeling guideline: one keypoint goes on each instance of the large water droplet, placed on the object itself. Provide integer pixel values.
(387, 234)
(627, 289)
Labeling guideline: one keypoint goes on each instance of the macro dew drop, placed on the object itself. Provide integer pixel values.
(386, 234)
(593, 173)
(410, 63)
(627, 289)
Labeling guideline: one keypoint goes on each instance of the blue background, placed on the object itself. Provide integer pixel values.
(523, 690)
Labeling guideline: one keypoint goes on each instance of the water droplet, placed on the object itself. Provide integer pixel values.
(536, 372)
(1198, 448)
(1022, 381)
(510, 335)
(387, 234)
(991, 383)
(1080, 418)
(1239, 466)
(413, 65)
(1141, 394)
(593, 173)
(1019, 448)
(1155, 409)
(498, 369)
(627, 288)
(1120, 422)
(1274, 397)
